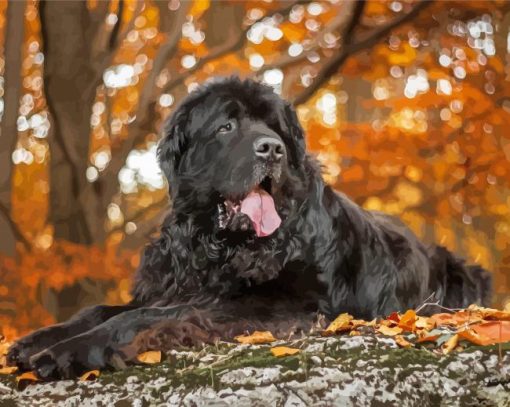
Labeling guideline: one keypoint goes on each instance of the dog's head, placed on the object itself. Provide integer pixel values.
(234, 143)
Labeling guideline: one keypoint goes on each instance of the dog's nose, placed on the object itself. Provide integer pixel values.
(269, 147)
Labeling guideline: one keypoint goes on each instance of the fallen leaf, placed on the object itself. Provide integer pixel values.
(424, 323)
(354, 333)
(8, 370)
(341, 323)
(280, 351)
(91, 375)
(25, 379)
(450, 344)
(256, 337)
(490, 313)
(359, 322)
(402, 342)
(487, 333)
(457, 319)
(389, 331)
(427, 337)
(394, 317)
(151, 357)
(407, 321)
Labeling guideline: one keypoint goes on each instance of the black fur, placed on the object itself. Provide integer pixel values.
(209, 276)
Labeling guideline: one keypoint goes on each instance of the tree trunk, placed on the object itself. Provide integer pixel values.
(9, 132)
(70, 88)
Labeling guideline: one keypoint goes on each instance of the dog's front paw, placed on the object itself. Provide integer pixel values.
(21, 351)
(71, 358)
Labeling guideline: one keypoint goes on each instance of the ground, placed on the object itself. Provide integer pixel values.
(341, 370)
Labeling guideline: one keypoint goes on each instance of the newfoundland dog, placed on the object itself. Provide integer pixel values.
(255, 240)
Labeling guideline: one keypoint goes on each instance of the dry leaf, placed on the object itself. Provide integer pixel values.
(355, 323)
(389, 331)
(150, 357)
(394, 317)
(457, 319)
(427, 337)
(8, 370)
(450, 344)
(91, 375)
(490, 313)
(256, 337)
(354, 333)
(487, 333)
(280, 351)
(402, 342)
(340, 324)
(424, 323)
(25, 379)
(407, 321)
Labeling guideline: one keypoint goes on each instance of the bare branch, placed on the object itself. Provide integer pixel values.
(353, 23)
(144, 112)
(333, 64)
(104, 56)
(227, 48)
(165, 53)
(113, 42)
(140, 214)
(343, 17)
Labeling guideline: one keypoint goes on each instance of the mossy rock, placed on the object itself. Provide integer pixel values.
(348, 371)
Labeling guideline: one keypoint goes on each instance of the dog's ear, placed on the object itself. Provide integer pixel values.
(172, 145)
(295, 132)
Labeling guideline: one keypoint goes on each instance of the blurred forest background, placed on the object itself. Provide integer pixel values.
(405, 102)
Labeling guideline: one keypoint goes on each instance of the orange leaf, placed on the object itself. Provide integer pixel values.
(426, 337)
(340, 323)
(91, 375)
(389, 331)
(280, 351)
(402, 342)
(450, 344)
(459, 318)
(151, 357)
(474, 337)
(424, 323)
(25, 379)
(487, 333)
(407, 321)
(354, 333)
(256, 337)
(8, 370)
(491, 313)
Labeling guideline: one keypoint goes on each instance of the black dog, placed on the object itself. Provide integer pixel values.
(255, 240)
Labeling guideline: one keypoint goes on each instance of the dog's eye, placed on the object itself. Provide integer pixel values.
(227, 127)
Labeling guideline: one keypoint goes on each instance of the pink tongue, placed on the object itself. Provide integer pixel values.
(259, 206)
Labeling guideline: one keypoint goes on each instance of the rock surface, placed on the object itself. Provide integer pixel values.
(343, 371)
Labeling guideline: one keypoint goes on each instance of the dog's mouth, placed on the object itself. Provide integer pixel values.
(258, 204)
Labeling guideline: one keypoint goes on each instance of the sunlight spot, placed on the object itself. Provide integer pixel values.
(256, 61)
(166, 100)
(295, 49)
(118, 76)
(188, 61)
(444, 87)
(91, 173)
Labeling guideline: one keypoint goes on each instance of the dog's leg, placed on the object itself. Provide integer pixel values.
(120, 339)
(21, 351)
